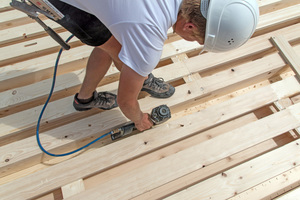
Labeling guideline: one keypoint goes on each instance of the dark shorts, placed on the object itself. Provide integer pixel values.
(85, 26)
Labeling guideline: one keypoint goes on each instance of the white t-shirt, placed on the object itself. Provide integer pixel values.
(140, 26)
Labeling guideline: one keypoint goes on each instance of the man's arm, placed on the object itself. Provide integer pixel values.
(130, 86)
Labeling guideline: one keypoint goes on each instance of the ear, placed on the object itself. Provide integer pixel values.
(188, 26)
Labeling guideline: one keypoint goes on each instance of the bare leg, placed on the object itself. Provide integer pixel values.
(97, 66)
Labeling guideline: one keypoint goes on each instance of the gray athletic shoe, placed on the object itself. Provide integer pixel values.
(102, 100)
(157, 87)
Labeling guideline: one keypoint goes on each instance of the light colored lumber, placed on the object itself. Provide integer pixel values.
(216, 82)
(41, 68)
(27, 31)
(72, 59)
(205, 172)
(32, 48)
(285, 15)
(20, 95)
(13, 18)
(41, 89)
(26, 94)
(292, 195)
(279, 17)
(266, 6)
(254, 46)
(135, 145)
(73, 188)
(4, 5)
(244, 176)
(63, 107)
(272, 187)
(193, 158)
(6, 17)
(38, 69)
(288, 53)
(167, 151)
(171, 149)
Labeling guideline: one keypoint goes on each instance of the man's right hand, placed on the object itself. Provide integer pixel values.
(145, 123)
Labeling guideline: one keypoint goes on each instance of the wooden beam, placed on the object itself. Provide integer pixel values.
(73, 188)
(188, 160)
(247, 175)
(206, 172)
(287, 53)
(294, 194)
(136, 145)
(272, 187)
(255, 48)
(214, 83)
(279, 18)
(26, 32)
(267, 6)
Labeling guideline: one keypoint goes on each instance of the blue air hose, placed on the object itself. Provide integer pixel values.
(44, 107)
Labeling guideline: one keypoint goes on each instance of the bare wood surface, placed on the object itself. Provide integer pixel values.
(240, 174)
(288, 54)
(230, 111)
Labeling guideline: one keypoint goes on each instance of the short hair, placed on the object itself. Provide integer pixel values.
(190, 10)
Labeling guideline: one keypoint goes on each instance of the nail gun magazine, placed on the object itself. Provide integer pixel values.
(48, 8)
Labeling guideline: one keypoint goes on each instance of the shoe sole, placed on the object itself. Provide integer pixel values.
(85, 109)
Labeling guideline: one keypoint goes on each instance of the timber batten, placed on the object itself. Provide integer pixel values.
(234, 131)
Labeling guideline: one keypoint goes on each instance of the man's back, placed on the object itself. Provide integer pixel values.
(140, 26)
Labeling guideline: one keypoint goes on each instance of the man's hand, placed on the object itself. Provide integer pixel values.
(130, 86)
(145, 123)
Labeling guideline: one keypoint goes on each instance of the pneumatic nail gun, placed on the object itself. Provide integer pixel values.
(158, 115)
(33, 7)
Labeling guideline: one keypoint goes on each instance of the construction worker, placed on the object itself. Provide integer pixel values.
(131, 34)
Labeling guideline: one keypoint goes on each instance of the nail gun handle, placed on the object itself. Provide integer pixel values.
(57, 38)
(124, 130)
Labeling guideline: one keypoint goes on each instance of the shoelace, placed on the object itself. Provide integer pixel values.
(102, 99)
(157, 83)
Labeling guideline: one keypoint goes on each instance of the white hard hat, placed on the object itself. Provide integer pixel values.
(229, 23)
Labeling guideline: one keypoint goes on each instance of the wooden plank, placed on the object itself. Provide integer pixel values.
(38, 69)
(171, 149)
(41, 68)
(272, 187)
(72, 58)
(246, 175)
(288, 53)
(177, 99)
(279, 18)
(284, 16)
(26, 32)
(254, 47)
(267, 6)
(136, 145)
(63, 107)
(20, 97)
(12, 98)
(168, 150)
(146, 104)
(13, 18)
(206, 172)
(294, 194)
(73, 188)
(188, 160)
(4, 5)
(33, 48)
(216, 82)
